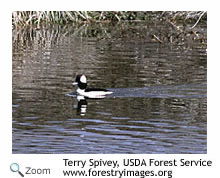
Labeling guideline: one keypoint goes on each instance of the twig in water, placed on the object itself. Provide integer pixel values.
(158, 39)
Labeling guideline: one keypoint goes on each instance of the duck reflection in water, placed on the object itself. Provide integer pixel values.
(82, 104)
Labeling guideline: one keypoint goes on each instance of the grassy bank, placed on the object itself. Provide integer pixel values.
(24, 18)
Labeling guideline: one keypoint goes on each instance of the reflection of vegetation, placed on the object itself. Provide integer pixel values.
(171, 27)
(65, 17)
(160, 32)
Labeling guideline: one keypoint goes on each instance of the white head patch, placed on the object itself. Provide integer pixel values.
(83, 79)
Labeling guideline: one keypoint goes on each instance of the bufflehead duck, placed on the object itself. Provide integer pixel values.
(82, 89)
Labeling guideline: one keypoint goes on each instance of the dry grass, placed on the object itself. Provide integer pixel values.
(24, 18)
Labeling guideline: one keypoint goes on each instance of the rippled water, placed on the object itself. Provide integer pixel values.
(159, 104)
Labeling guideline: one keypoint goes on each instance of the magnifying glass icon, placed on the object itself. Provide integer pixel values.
(15, 168)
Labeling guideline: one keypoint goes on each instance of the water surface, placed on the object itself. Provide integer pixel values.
(159, 104)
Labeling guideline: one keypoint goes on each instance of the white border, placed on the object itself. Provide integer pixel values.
(55, 161)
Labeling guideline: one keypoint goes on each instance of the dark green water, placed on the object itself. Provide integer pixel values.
(159, 103)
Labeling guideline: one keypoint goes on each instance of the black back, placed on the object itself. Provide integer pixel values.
(82, 86)
(95, 89)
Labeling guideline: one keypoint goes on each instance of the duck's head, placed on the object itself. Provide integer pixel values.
(81, 81)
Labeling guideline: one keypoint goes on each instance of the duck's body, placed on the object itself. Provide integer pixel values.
(89, 92)
(93, 92)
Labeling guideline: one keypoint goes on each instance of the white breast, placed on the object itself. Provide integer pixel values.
(93, 94)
